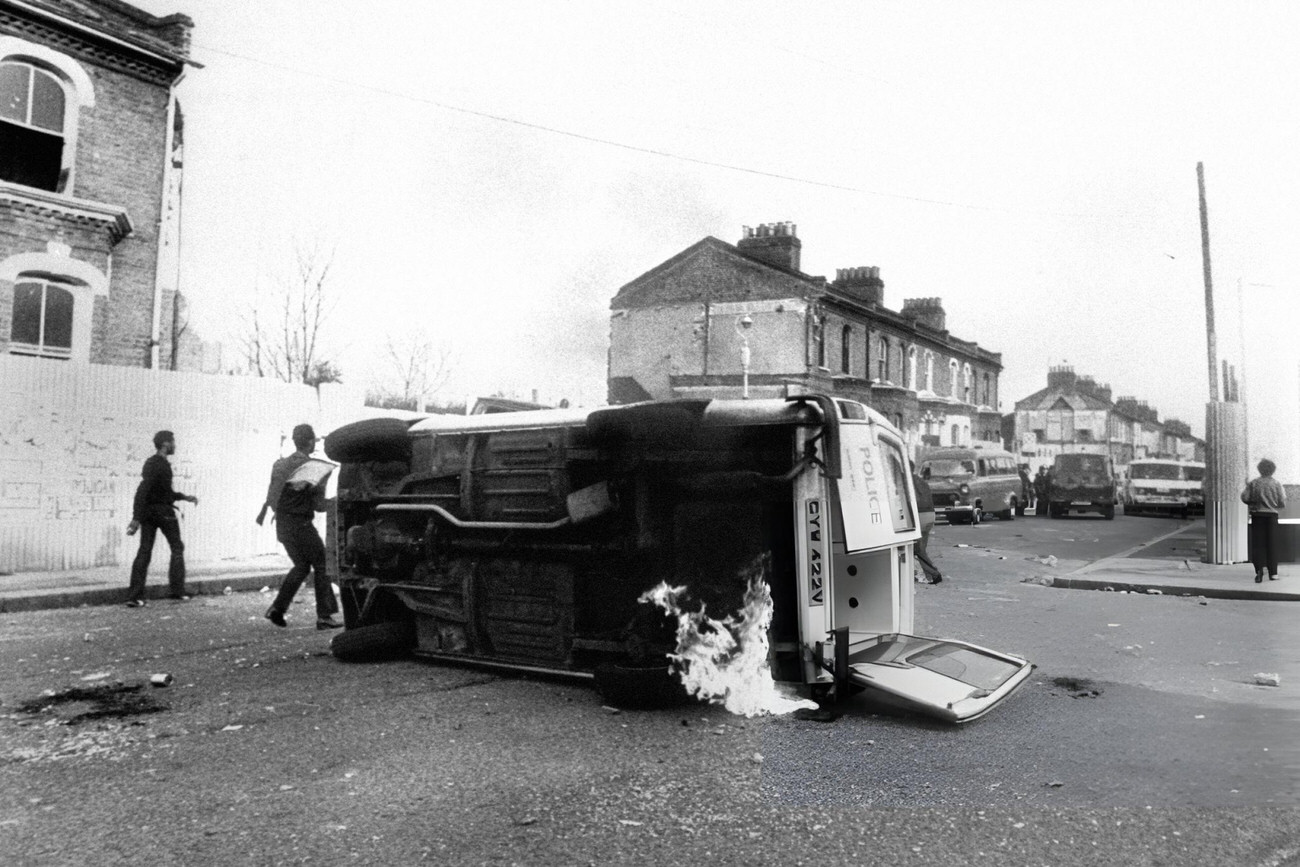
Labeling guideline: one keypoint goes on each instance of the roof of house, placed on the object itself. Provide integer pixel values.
(167, 36)
(1050, 397)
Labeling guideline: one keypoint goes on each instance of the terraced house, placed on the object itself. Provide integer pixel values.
(733, 320)
(90, 144)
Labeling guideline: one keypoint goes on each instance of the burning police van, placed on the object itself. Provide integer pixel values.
(655, 549)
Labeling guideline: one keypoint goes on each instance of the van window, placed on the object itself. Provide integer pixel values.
(1155, 471)
(983, 467)
(941, 467)
(1195, 474)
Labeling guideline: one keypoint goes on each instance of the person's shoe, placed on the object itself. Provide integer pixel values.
(183, 597)
(136, 603)
(937, 579)
(328, 623)
(1273, 578)
(1259, 577)
(276, 617)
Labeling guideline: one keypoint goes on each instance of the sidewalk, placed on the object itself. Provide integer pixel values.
(1183, 578)
(106, 585)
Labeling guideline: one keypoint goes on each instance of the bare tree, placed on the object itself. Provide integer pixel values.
(415, 370)
(283, 328)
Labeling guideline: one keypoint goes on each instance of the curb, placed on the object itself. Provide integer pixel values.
(204, 585)
(1071, 583)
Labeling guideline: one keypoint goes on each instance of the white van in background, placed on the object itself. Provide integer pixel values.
(1161, 485)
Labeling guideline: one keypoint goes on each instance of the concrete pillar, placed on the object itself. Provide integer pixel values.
(1225, 461)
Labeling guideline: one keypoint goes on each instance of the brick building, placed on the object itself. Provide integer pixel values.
(90, 137)
(683, 329)
(1076, 414)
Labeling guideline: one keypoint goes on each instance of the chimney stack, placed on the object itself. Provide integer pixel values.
(927, 311)
(773, 243)
(864, 284)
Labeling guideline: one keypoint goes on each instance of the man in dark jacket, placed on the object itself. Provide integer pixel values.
(295, 502)
(154, 510)
(925, 510)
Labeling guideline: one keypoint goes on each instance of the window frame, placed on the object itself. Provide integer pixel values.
(41, 349)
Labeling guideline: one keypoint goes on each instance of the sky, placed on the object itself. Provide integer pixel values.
(490, 173)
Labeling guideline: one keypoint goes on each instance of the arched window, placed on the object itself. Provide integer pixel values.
(956, 435)
(42, 319)
(988, 391)
(966, 379)
(911, 367)
(952, 378)
(33, 114)
(819, 339)
(846, 344)
(929, 371)
(882, 363)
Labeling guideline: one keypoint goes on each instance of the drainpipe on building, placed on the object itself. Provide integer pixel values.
(155, 331)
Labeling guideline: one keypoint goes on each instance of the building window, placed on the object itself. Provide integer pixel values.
(882, 363)
(956, 435)
(988, 390)
(966, 379)
(952, 378)
(911, 367)
(929, 371)
(846, 344)
(819, 339)
(33, 114)
(42, 319)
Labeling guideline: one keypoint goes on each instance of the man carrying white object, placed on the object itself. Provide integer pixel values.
(296, 493)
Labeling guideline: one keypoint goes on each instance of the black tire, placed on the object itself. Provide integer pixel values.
(1009, 513)
(371, 439)
(378, 642)
(1108, 513)
(623, 685)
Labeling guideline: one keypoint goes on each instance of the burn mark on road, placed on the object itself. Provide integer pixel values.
(1077, 687)
(80, 704)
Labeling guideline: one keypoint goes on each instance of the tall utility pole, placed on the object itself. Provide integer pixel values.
(1225, 515)
(1209, 284)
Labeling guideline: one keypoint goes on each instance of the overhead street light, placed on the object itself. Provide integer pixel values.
(743, 324)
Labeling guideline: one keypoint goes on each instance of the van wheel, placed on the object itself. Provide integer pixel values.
(624, 685)
(371, 439)
(1010, 513)
(1108, 513)
(378, 642)
(976, 516)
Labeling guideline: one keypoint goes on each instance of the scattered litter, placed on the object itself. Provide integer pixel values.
(232, 728)
(1049, 560)
(1203, 601)
(1002, 557)
(99, 675)
(227, 590)
(265, 590)
(1154, 592)
(1267, 679)
(1199, 716)
(613, 711)
(961, 545)
(527, 820)
(1055, 784)
(757, 758)
(630, 822)
(1112, 625)
(161, 680)
(86, 637)
(1133, 650)
(286, 788)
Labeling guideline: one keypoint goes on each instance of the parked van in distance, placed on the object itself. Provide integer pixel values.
(1162, 485)
(966, 482)
(1081, 482)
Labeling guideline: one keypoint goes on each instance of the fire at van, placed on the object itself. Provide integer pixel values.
(726, 661)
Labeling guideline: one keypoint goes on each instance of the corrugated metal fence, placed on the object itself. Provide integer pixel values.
(74, 437)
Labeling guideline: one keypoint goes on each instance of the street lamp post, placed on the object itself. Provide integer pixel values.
(743, 324)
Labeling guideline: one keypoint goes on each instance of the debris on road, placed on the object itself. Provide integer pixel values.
(1267, 679)
(1049, 560)
(161, 680)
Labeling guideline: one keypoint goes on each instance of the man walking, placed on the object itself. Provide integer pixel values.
(296, 494)
(925, 512)
(154, 510)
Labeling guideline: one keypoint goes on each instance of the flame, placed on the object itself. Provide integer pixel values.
(725, 661)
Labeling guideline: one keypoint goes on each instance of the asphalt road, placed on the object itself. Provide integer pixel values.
(1140, 740)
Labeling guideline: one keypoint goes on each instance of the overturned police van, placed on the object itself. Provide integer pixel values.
(531, 541)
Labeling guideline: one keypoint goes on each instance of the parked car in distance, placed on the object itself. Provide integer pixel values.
(967, 482)
(1163, 485)
(1082, 483)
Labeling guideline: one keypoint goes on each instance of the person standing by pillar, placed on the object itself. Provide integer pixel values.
(153, 510)
(295, 503)
(1265, 497)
